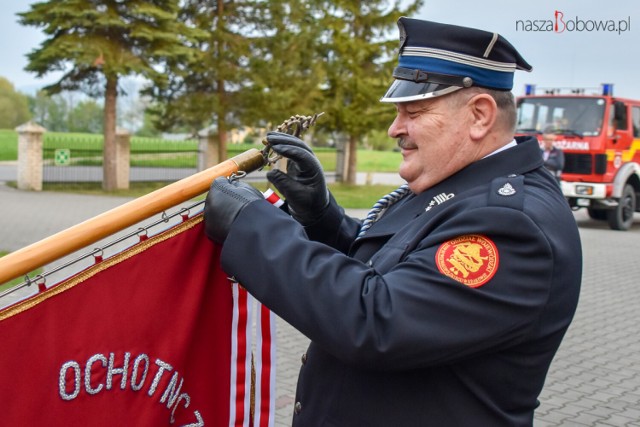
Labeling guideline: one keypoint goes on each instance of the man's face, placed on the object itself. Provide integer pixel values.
(547, 140)
(434, 140)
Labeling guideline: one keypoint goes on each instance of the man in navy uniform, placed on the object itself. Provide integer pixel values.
(447, 309)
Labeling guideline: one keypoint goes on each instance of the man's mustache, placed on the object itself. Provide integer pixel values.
(404, 144)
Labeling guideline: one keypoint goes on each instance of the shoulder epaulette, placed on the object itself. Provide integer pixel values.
(507, 191)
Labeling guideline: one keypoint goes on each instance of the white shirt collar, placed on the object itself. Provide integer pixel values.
(513, 143)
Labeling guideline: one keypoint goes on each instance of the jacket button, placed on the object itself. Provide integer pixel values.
(304, 358)
(297, 408)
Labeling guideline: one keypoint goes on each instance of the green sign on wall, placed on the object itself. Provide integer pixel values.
(62, 157)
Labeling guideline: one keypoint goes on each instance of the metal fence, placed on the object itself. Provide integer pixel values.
(71, 158)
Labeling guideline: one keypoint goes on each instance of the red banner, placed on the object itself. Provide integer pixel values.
(143, 338)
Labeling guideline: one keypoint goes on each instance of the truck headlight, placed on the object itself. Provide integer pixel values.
(584, 190)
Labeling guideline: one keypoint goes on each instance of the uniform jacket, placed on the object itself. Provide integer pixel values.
(399, 335)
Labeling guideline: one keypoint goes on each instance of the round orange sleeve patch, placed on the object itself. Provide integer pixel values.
(471, 260)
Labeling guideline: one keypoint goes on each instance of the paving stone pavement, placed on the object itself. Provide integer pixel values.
(593, 381)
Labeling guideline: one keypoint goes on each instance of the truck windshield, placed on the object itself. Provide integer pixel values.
(580, 116)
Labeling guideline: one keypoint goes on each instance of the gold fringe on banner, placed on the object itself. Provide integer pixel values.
(97, 268)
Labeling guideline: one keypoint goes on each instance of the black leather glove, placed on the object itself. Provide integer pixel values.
(223, 204)
(303, 186)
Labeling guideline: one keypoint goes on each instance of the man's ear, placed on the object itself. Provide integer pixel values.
(484, 111)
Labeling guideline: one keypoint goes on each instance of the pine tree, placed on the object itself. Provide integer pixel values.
(96, 42)
(358, 47)
(285, 68)
(208, 89)
(259, 66)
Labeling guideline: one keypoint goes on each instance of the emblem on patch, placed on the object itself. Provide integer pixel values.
(471, 260)
(507, 190)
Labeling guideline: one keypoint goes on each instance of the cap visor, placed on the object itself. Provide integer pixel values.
(405, 91)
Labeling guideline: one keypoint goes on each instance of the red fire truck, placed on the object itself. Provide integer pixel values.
(600, 137)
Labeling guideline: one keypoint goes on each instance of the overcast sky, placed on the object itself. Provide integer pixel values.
(579, 56)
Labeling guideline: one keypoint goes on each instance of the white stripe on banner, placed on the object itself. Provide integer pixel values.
(272, 376)
(240, 394)
(234, 356)
(247, 361)
(265, 368)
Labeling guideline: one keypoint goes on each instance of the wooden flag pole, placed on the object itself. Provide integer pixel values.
(27, 259)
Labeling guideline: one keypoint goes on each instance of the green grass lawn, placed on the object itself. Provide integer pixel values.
(8, 145)
(359, 196)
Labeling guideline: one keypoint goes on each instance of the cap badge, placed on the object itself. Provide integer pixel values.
(507, 190)
(471, 260)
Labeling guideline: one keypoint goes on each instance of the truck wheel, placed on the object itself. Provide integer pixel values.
(599, 214)
(621, 217)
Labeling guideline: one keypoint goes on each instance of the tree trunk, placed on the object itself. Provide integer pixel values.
(222, 139)
(222, 123)
(222, 96)
(352, 159)
(109, 180)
